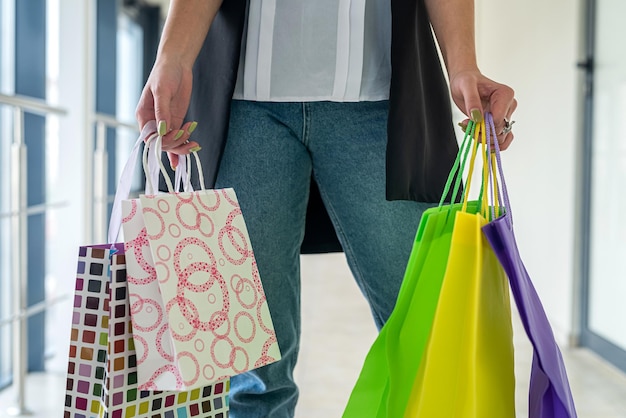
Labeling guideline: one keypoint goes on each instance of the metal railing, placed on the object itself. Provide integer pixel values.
(19, 213)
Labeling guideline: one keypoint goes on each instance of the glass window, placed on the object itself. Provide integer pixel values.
(130, 41)
(56, 235)
(608, 225)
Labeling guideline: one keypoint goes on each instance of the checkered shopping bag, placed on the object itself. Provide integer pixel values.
(102, 368)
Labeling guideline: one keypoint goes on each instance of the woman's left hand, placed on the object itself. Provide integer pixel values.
(474, 94)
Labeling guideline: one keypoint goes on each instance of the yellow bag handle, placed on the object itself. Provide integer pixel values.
(470, 172)
(490, 197)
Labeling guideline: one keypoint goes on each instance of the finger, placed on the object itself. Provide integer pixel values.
(504, 131)
(473, 104)
(145, 108)
(463, 125)
(512, 108)
(176, 138)
(162, 101)
(173, 140)
(502, 104)
(173, 160)
(186, 148)
(507, 141)
(502, 138)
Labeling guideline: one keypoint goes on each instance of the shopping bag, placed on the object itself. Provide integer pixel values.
(385, 381)
(549, 395)
(150, 329)
(199, 309)
(102, 373)
(467, 367)
(371, 392)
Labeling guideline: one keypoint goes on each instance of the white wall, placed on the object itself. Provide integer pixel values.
(533, 46)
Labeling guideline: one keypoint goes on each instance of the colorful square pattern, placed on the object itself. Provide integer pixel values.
(102, 367)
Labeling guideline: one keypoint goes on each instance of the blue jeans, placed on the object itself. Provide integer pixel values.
(272, 151)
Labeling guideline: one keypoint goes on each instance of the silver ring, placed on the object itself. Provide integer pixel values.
(508, 126)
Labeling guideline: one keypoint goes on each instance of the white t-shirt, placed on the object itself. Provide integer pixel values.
(314, 50)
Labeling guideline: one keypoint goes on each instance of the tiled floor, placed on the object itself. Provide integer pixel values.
(337, 332)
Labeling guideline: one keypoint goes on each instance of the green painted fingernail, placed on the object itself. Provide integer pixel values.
(192, 127)
(162, 128)
(476, 115)
(195, 149)
(179, 134)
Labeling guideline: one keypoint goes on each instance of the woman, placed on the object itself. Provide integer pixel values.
(344, 95)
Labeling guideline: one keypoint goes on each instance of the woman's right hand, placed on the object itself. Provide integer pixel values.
(165, 99)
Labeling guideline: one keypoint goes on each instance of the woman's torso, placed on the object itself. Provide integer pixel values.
(304, 50)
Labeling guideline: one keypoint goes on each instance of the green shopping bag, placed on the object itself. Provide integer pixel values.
(385, 382)
(369, 396)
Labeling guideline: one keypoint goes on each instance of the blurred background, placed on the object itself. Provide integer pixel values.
(71, 72)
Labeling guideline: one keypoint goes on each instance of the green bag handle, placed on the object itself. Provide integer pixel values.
(481, 140)
(458, 168)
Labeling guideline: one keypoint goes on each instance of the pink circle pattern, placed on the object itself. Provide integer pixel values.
(164, 205)
(194, 379)
(237, 327)
(185, 284)
(168, 368)
(200, 277)
(133, 212)
(138, 252)
(207, 195)
(163, 252)
(228, 230)
(197, 226)
(158, 215)
(144, 348)
(174, 230)
(138, 245)
(142, 305)
(208, 376)
(159, 343)
(242, 285)
(166, 271)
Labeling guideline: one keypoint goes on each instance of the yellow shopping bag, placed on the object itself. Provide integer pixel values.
(467, 368)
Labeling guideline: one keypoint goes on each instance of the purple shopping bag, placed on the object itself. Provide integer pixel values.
(549, 393)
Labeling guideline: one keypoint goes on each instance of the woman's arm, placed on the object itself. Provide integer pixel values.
(165, 97)
(453, 23)
(185, 28)
(473, 93)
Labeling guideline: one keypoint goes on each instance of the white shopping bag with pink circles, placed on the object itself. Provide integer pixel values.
(198, 308)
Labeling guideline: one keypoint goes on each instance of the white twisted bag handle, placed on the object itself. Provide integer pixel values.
(152, 164)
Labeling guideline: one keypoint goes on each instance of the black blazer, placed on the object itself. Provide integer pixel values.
(421, 145)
